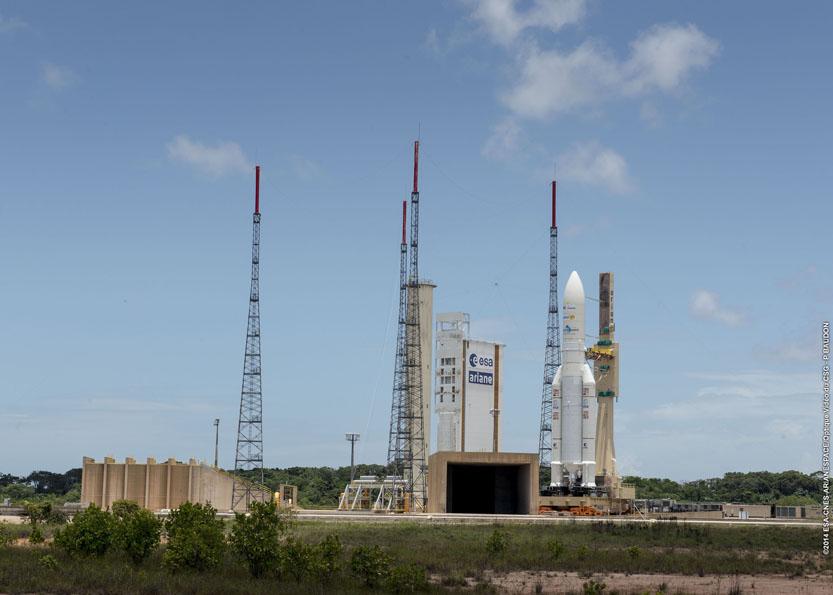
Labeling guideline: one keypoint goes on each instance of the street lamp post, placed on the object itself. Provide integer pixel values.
(216, 439)
(352, 438)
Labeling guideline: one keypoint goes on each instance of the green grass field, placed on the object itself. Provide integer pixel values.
(450, 553)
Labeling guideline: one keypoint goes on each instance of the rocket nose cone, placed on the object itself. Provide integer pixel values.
(574, 292)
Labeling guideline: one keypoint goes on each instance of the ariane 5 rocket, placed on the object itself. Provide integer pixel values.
(574, 403)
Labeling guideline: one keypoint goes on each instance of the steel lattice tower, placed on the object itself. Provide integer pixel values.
(415, 471)
(406, 443)
(399, 436)
(552, 353)
(249, 455)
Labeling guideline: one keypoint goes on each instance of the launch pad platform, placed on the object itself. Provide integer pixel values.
(582, 505)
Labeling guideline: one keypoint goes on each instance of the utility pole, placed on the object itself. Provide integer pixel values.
(216, 440)
(352, 438)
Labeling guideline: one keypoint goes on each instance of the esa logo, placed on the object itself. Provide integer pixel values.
(475, 361)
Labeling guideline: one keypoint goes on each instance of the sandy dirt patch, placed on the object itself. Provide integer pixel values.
(560, 582)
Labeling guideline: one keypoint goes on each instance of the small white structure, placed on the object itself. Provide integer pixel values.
(468, 387)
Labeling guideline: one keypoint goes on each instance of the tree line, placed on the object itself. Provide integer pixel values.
(320, 487)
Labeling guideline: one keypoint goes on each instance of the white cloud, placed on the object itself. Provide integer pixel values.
(57, 77)
(662, 57)
(553, 82)
(9, 24)
(504, 22)
(504, 141)
(749, 420)
(706, 306)
(217, 160)
(304, 168)
(591, 163)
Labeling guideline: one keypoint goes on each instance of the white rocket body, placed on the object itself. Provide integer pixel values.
(574, 402)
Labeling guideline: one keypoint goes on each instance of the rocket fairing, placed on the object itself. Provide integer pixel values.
(574, 403)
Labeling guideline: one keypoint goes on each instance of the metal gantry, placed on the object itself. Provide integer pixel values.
(552, 352)
(406, 443)
(249, 450)
(415, 473)
(399, 436)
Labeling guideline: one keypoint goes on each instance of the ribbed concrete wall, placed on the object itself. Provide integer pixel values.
(155, 486)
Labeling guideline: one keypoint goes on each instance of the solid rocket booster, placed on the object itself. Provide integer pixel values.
(574, 403)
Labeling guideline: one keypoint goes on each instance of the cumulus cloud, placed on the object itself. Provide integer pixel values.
(705, 305)
(503, 21)
(591, 163)
(57, 77)
(661, 60)
(214, 160)
(504, 141)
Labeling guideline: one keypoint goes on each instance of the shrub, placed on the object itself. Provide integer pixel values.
(592, 587)
(89, 534)
(5, 536)
(136, 532)
(298, 559)
(497, 543)
(36, 536)
(408, 578)
(328, 557)
(195, 538)
(122, 509)
(555, 548)
(634, 551)
(48, 562)
(370, 565)
(256, 536)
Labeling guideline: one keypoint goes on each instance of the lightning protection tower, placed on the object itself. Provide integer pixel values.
(406, 444)
(398, 438)
(552, 352)
(415, 472)
(249, 455)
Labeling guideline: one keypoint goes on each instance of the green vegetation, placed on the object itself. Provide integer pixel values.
(256, 537)
(195, 538)
(304, 556)
(136, 531)
(41, 486)
(758, 487)
(89, 534)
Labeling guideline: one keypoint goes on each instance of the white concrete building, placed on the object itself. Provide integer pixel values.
(468, 387)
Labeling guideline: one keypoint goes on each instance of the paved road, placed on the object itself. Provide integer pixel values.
(365, 517)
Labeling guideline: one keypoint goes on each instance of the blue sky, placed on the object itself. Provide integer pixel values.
(692, 143)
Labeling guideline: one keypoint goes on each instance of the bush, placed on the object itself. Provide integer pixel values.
(122, 509)
(48, 562)
(555, 548)
(497, 543)
(89, 534)
(5, 536)
(36, 536)
(370, 565)
(195, 538)
(328, 557)
(298, 559)
(634, 551)
(408, 578)
(136, 532)
(256, 537)
(592, 587)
